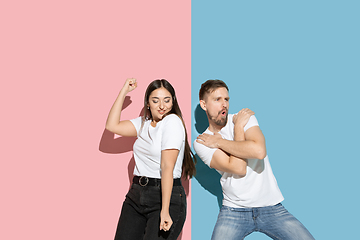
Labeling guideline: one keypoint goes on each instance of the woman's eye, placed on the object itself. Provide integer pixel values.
(155, 101)
(167, 101)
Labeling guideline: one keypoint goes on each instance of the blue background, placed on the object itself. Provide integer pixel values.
(296, 64)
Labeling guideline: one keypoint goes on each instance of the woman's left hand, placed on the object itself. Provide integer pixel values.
(165, 221)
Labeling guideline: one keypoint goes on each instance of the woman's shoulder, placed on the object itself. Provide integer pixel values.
(172, 118)
(173, 123)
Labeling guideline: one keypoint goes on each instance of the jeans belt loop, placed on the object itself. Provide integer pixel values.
(140, 179)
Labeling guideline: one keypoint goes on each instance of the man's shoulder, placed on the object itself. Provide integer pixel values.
(197, 144)
(204, 153)
(198, 147)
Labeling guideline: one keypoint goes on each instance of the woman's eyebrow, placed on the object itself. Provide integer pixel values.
(158, 97)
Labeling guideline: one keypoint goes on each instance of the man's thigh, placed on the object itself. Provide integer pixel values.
(233, 224)
(278, 223)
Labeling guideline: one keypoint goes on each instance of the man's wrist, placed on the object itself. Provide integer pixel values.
(239, 134)
(238, 126)
(219, 143)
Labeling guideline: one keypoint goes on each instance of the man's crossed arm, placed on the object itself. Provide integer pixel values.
(231, 155)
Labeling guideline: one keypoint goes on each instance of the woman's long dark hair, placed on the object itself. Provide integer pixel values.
(188, 166)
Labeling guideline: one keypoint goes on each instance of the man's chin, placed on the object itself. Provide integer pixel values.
(221, 122)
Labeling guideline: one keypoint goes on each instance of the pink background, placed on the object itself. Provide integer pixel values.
(62, 65)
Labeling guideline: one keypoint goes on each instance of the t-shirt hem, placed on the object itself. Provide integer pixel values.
(231, 204)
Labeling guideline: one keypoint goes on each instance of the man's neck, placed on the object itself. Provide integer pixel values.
(214, 127)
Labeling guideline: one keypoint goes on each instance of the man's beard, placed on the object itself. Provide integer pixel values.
(220, 122)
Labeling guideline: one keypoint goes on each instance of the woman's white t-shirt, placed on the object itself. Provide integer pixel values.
(169, 133)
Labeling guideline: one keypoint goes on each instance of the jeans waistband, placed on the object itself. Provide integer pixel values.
(147, 181)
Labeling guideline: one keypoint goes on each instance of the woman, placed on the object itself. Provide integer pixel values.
(155, 206)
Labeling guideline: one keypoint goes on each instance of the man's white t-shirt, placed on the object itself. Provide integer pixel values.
(169, 133)
(258, 188)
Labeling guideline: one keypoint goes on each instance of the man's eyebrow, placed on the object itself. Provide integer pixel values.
(215, 97)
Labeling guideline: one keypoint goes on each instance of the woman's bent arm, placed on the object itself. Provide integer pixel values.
(113, 123)
(168, 160)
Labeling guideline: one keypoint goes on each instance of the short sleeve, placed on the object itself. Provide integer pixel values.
(137, 123)
(205, 153)
(251, 123)
(173, 133)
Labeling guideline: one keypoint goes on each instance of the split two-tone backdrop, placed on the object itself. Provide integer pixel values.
(62, 63)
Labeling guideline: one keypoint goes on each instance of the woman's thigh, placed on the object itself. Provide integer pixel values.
(177, 212)
(131, 223)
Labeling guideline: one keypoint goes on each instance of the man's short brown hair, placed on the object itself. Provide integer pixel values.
(209, 86)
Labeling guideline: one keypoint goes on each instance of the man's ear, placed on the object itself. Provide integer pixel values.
(203, 105)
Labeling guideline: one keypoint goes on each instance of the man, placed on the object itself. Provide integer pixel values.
(235, 146)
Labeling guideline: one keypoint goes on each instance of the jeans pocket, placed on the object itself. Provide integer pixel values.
(279, 210)
(151, 196)
(177, 195)
(227, 209)
(133, 194)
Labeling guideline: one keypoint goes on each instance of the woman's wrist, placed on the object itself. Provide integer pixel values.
(165, 209)
(123, 92)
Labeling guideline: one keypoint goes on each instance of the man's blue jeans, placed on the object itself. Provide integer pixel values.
(274, 221)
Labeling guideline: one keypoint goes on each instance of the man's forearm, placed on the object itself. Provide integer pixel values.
(242, 148)
(239, 135)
